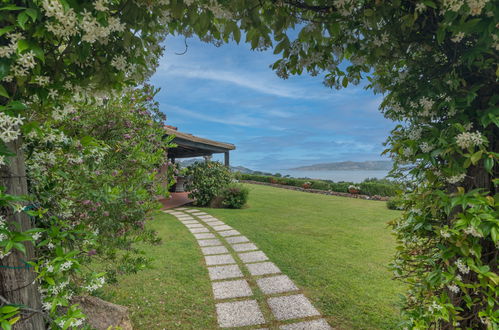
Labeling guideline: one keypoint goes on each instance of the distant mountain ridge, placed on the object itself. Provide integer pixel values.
(375, 165)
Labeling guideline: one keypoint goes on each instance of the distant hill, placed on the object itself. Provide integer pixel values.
(241, 169)
(382, 165)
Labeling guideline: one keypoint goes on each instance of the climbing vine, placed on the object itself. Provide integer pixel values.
(434, 61)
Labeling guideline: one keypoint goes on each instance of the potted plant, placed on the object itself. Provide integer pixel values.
(181, 180)
(353, 189)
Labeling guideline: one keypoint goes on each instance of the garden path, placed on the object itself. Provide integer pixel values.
(250, 290)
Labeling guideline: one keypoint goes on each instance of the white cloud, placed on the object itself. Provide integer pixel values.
(237, 119)
(255, 82)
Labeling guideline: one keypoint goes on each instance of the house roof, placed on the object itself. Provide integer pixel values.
(189, 145)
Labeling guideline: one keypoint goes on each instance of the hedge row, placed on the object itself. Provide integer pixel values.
(370, 187)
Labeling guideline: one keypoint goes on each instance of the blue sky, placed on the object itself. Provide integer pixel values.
(230, 94)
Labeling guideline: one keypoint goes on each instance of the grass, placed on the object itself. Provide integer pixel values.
(176, 292)
(336, 249)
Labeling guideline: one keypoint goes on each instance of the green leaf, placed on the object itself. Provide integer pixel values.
(22, 45)
(33, 13)
(489, 164)
(3, 92)
(6, 325)
(476, 157)
(345, 82)
(8, 309)
(22, 18)
(6, 29)
(10, 8)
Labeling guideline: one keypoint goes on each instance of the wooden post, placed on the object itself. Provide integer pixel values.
(226, 159)
(17, 280)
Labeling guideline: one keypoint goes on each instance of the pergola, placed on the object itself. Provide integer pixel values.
(189, 146)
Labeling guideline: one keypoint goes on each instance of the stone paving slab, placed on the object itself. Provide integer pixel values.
(320, 324)
(231, 289)
(244, 247)
(207, 217)
(199, 230)
(224, 272)
(209, 242)
(263, 268)
(214, 223)
(229, 233)
(219, 259)
(189, 222)
(199, 213)
(214, 250)
(195, 225)
(276, 284)
(222, 228)
(237, 239)
(184, 217)
(291, 307)
(191, 211)
(252, 256)
(239, 314)
(204, 235)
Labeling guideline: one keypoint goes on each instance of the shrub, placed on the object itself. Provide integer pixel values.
(234, 196)
(208, 179)
(394, 203)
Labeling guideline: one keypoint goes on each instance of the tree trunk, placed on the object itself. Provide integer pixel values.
(16, 278)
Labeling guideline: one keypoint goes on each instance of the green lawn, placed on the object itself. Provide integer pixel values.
(336, 249)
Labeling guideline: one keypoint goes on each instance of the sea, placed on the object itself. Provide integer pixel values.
(355, 176)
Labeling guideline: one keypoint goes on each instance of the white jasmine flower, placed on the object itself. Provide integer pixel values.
(53, 94)
(67, 265)
(456, 178)
(420, 7)
(425, 147)
(462, 267)
(101, 5)
(458, 37)
(50, 246)
(453, 288)
(119, 62)
(472, 231)
(444, 233)
(2, 160)
(467, 139)
(47, 306)
(36, 236)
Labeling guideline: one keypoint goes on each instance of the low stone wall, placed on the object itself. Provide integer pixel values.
(317, 191)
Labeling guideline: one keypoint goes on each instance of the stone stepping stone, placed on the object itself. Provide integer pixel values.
(237, 239)
(222, 228)
(199, 213)
(181, 208)
(224, 272)
(263, 268)
(244, 247)
(231, 289)
(220, 259)
(214, 223)
(191, 211)
(239, 314)
(320, 324)
(189, 222)
(195, 225)
(229, 233)
(199, 230)
(276, 284)
(204, 235)
(214, 250)
(291, 307)
(252, 256)
(207, 217)
(209, 242)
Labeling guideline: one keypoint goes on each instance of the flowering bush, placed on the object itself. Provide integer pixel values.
(234, 196)
(435, 61)
(207, 181)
